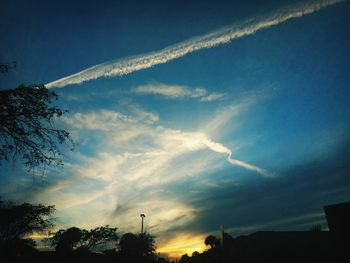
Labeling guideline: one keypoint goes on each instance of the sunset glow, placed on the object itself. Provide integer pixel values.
(183, 243)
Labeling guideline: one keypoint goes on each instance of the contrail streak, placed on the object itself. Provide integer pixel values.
(249, 166)
(220, 148)
(222, 36)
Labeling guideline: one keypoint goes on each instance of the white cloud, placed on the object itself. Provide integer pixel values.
(213, 96)
(171, 91)
(223, 116)
(222, 36)
(148, 117)
(153, 148)
(177, 92)
(100, 120)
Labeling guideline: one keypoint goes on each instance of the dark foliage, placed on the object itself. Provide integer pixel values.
(66, 241)
(17, 249)
(211, 241)
(80, 245)
(137, 245)
(184, 259)
(17, 221)
(27, 129)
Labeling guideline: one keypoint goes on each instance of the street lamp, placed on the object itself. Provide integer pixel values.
(142, 217)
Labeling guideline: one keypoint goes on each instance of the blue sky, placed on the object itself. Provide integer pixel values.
(249, 133)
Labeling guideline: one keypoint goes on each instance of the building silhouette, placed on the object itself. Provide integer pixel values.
(338, 218)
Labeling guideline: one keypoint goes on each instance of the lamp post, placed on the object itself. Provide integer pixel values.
(142, 217)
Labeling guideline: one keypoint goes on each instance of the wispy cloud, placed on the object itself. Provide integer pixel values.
(172, 143)
(177, 92)
(148, 117)
(223, 116)
(224, 35)
(213, 96)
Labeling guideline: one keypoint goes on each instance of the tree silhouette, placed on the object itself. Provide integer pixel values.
(74, 238)
(99, 236)
(65, 241)
(211, 241)
(195, 254)
(16, 221)
(184, 258)
(137, 245)
(147, 243)
(27, 129)
(129, 244)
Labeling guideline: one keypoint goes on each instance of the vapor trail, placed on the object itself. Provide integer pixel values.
(220, 148)
(222, 36)
(249, 166)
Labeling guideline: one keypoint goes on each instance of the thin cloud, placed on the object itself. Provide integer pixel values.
(224, 115)
(170, 143)
(177, 92)
(224, 35)
(212, 97)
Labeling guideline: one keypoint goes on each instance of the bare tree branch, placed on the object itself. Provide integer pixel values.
(27, 129)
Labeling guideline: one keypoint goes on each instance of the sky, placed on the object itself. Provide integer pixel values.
(199, 114)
